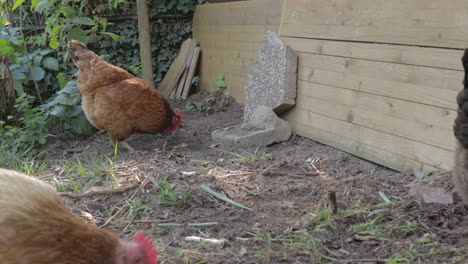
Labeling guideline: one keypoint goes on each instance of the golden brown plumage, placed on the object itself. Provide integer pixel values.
(119, 102)
(460, 129)
(35, 227)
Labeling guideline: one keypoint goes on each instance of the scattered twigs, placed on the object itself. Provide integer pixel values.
(262, 173)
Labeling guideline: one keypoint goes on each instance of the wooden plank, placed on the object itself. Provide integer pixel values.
(424, 85)
(416, 22)
(383, 148)
(172, 77)
(420, 123)
(371, 153)
(430, 57)
(427, 114)
(191, 72)
(188, 58)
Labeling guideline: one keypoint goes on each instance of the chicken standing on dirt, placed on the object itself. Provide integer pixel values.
(460, 129)
(119, 102)
(36, 228)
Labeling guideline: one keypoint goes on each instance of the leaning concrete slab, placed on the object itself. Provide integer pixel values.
(272, 79)
(263, 128)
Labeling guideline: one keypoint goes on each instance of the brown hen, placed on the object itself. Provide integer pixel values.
(36, 228)
(117, 101)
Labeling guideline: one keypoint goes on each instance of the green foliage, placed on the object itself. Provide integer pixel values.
(9, 43)
(24, 140)
(67, 20)
(167, 6)
(32, 67)
(66, 107)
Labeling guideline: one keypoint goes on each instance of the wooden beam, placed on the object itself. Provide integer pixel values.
(144, 38)
(428, 23)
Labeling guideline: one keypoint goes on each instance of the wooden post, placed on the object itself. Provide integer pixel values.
(145, 41)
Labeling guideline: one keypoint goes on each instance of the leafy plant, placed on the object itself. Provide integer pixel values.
(168, 196)
(31, 67)
(66, 107)
(195, 80)
(10, 45)
(24, 140)
(220, 83)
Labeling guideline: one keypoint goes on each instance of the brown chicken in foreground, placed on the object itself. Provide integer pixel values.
(36, 228)
(118, 102)
(460, 129)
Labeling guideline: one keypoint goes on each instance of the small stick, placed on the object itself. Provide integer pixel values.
(90, 193)
(208, 240)
(363, 260)
(147, 221)
(331, 252)
(223, 198)
(129, 223)
(190, 224)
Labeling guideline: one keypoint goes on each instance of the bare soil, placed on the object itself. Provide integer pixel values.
(283, 184)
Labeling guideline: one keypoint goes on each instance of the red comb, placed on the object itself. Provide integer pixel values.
(179, 115)
(148, 248)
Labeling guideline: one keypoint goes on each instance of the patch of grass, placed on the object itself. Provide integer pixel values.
(246, 157)
(322, 217)
(33, 167)
(83, 174)
(368, 228)
(29, 166)
(408, 230)
(135, 207)
(408, 256)
(168, 196)
(292, 243)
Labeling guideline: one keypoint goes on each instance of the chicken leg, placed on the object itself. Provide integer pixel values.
(125, 144)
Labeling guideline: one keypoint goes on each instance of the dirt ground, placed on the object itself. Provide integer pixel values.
(285, 185)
